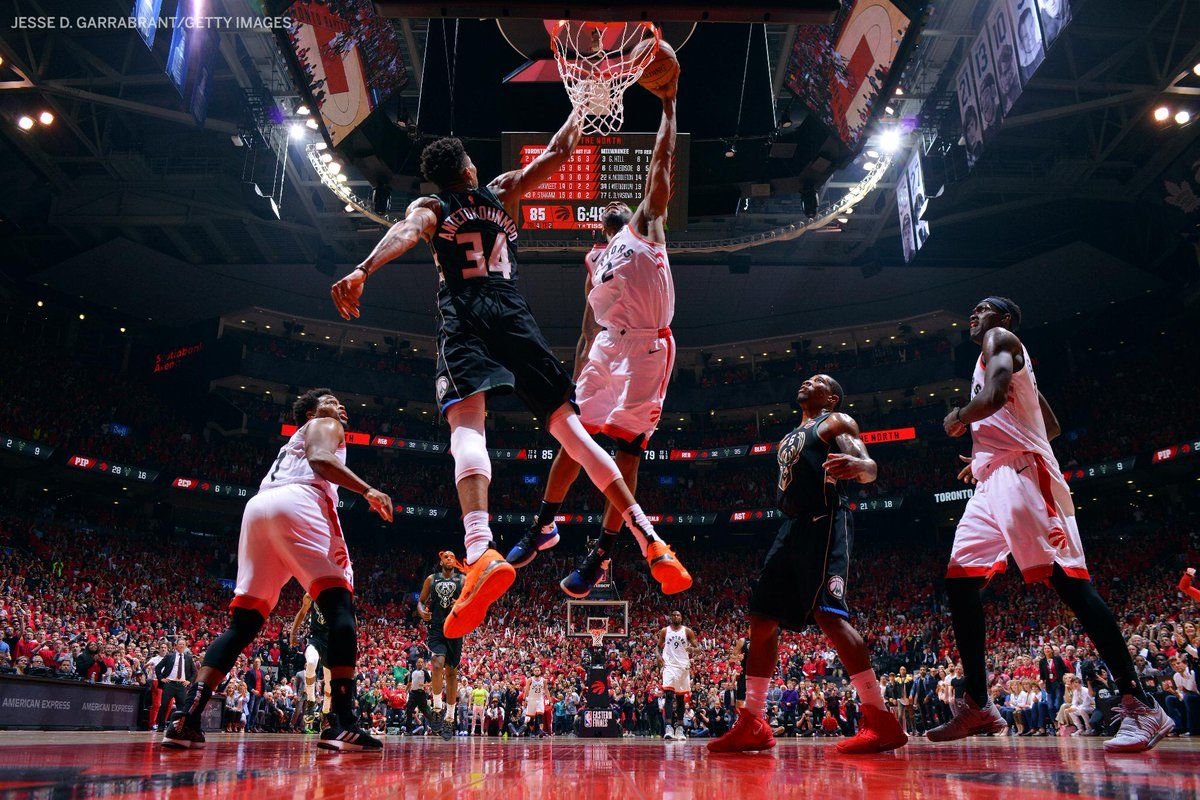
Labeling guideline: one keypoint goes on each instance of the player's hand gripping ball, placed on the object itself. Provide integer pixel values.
(661, 76)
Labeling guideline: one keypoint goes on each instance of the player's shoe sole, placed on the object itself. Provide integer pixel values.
(343, 746)
(524, 552)
(487, 581)
(181, 744)
(666, 569)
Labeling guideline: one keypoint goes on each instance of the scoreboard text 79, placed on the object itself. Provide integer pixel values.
(602, 169)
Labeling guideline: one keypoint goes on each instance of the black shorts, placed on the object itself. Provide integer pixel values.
(739, 689)
(321, 646)
(807, 570)
(439, 645)
(488, 341)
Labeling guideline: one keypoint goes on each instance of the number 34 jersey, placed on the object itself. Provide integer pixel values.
(475, 240)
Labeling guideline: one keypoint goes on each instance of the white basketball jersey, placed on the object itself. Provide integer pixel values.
(631, 283)
(291, 466)
(1016, 428)
(537, 689)
(675, 648)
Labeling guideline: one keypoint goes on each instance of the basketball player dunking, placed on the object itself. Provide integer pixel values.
(291, 529)
(674, 642)
(1022, 506)
(488, 341)
(625, 354)
(316, 651)
(438, 594)
(807, 571)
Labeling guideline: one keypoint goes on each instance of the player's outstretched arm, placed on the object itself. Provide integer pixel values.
(853, 462)
(652, 211)
(589, 329)
(322, 440)
(304, 606)
(1001, 349)
(418, 223)
(512, 186)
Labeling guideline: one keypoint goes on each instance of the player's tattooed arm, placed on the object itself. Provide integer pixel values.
(1053, 429)
(648, 219)
(589, 329)
(423, 602)
(1002, 356)
(512, 186)
(852, 462)
(321, 442)
(418, 224)
(304, 606)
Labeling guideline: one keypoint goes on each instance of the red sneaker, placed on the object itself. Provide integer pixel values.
(487, 580)
(750, 732)
(878, 732)
(666, 569)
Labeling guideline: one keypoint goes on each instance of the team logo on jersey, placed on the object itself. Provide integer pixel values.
(789, 453)
(837, 586)
(443, 386)
(446, 590)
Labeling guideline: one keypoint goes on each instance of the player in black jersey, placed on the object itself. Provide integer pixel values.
(807, 570)
(738, 656)
(489, 342)
(438, 594)
(316, 651)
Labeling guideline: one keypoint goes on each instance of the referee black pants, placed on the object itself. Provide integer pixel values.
(417, 700)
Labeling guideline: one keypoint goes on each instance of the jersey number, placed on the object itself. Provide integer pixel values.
(496, 263)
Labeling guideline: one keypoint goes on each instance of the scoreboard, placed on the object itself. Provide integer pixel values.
(602, 169)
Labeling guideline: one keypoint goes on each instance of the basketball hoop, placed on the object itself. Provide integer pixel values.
(597, 62)
(597, 633)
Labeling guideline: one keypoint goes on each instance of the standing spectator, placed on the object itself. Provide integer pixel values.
(256, 685)
(175, 671)
(1051, 669)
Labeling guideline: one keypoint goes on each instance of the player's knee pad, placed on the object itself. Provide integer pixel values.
(311, 659)
(244, 625)
(337, 604)
(565, 426)
(468, 443)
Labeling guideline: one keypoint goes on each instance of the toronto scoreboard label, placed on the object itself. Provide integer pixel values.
(602, 169)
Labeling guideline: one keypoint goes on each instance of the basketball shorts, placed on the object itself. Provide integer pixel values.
(289, 531)
(1013, 511)
(488, 341)
(318, 646)
(622, 387)
(535, 707)
(677, 679)
(739, 688)
(807, 570)
(439, 645)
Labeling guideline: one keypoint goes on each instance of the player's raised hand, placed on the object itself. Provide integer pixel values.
(380, 503)
(1191, 571)
(844, 466)
(965, 475)
(347, 292)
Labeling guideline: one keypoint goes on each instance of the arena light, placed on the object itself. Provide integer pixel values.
(868, 165)
(46, 118)
(843, 220)
(1195, 69)
(40, 304)
(1162, 113)
(302, 110)
(82, 317)
(731, 151)
(891, 112)
(342, 178)
(334, 166)
(296, 130)
(326, 158)
(311, 123)
(890, 140)
(122, 329)
(349, 209)
(1183, 117)
(25, 123)
(872, 154)
(320, 145)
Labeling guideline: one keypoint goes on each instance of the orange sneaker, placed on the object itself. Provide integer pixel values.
(878, 732)
(487, 580)
(666, 569)
(750, 732)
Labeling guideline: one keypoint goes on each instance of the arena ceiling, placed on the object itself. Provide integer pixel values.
(127, 202)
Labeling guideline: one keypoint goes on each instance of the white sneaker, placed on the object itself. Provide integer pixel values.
(680, 736)
(1142, 726)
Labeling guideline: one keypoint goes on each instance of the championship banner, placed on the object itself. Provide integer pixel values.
(986, 92)
(969, 111)
(904, 207)
(920, 201)
(66, 705)
(1054, 14)
(1030, 51)
(1004, 56)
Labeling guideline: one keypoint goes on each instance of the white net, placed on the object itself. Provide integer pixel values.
(597, 62)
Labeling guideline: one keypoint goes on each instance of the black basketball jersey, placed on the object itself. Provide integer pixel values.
(318, 628)
(804, 488)
(443, 592)
(475, 240)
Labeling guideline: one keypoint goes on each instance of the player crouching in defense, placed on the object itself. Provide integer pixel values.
(623, 363)
(807, 571)
(291, 529)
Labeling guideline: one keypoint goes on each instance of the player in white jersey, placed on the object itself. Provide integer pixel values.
(535, 703)
(291, 529)
(1022, 507)
(674, 641)
(623, 361)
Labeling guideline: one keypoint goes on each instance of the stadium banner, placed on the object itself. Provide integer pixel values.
(908, 244)
(968, 110)
(1054, 15)
(915, 173)
(1022, 15)
(326, 48)
(146, 13)
(24, 447)
(47, 703)
(986, 92)
(1004, 56)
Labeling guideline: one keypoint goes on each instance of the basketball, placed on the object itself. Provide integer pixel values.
(662, 71)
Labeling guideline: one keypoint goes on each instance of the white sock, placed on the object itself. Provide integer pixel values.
(437, 702)
(478, 536)
(756, 695)
(642, 530)
(310, 692)
(867, 687)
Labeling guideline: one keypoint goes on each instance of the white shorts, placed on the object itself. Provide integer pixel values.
(621, 389)
(289, 531)
(1013, 511)
(535, 708)
(678, 679)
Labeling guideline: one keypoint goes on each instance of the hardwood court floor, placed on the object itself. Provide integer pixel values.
(263, 767)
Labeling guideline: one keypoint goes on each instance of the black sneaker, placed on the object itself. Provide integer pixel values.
(179, 735)
(445, 727)
(581, 580)
(340, 737)
(529, 545)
